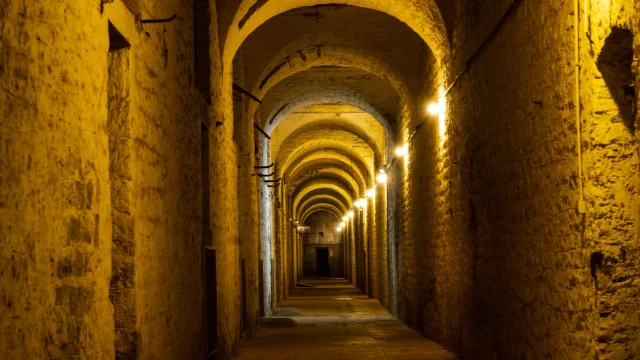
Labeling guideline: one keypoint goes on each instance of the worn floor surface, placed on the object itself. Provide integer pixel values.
(334, 321)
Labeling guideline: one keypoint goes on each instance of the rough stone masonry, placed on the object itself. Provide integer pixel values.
(137, 146)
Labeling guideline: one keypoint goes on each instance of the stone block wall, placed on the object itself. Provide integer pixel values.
(611, 182)
(224, 198)
(55, 208)
(495, 260)
(72, 202)
(167, 185)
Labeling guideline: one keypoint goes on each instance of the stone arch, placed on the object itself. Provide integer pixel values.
(326, 186)
(334, 52)
(324, 94)
(329, 155)
(423, 17)
(333, 173)
(322, 199)
(318, 139)
(319, 208)
(357, 169)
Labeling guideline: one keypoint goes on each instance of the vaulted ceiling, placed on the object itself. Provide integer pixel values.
(335, 82)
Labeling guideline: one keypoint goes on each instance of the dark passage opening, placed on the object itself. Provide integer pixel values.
(322, 262)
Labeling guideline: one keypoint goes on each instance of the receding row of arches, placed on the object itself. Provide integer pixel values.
(332, 88)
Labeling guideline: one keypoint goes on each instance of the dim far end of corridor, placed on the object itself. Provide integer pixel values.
(307, 179)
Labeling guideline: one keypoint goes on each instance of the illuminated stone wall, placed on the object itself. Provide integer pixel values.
(60, 221)
(55, 207)
(476, 241)
(495, 260)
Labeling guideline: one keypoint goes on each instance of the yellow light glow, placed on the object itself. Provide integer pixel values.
(435, 108)
(345, 218)
(439, 109)
(402, 150)
(381, 178)
(350, 214)
(371, 193)
(441, 123)
(339, 228)
(343, 224)
(361, 203)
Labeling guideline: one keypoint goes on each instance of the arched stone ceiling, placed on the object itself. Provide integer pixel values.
(322, 200)
(309, 217)
(317, 136)
(322, 185)
(319, 208)
(340, 141)
(304, 212)
(335, 53)
(330, 156)
(330, 173)
(318, 197)
(304, 96)
(343, 116)
(423, 17)
(346, 86)
(324, 168)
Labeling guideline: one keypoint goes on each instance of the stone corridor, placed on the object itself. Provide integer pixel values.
(334, 319)
(335, 179)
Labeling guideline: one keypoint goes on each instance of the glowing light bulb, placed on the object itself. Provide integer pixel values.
(402, 150)
(350, 214)
(339, 228)
(381, 178)
(345, 218)
(435, 108)
(371, 193)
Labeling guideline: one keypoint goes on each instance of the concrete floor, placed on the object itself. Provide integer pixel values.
(333, 320)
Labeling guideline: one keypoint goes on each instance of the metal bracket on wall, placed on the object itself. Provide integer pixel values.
(140, 21)
(262, 131)
(264, 167)
(246, 92)
(266, 175)
(158, 21)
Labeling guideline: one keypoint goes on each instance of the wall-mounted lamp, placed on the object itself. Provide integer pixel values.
(360, 203)
(343, 224)
(435, 108)
(438, 109)
(339, 228)
(371, 193)
(402, 151)
(381, 178)
(350, 214)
